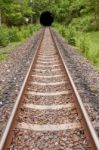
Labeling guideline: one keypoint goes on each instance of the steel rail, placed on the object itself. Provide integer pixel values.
(94, 138)
(4, 139)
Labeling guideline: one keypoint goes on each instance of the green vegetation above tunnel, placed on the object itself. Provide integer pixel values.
(78, 20)
(16, 12)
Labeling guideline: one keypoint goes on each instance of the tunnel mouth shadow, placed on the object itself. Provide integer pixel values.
(46, 18)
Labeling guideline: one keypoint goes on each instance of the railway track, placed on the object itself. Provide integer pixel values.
(49, 113)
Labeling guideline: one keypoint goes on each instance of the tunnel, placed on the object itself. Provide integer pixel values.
(46, 18)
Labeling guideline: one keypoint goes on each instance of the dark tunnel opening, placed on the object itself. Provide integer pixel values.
(46, 18)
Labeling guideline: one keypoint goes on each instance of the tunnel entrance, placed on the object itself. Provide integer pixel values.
(46, 18)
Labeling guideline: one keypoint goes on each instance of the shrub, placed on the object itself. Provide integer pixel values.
(71, 36)
(84, 45)
(31, 29)
(27, 31)
(93, 56)
(24, 32)
(62, 32)
(67, 32)
(4, 38)
(14, 34)
(83, 23)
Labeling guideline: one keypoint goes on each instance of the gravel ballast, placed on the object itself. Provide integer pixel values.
(85, 76)
(61, 122)
(73, 137)
(12, 74)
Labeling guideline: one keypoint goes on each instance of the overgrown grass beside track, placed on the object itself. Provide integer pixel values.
(87, 42)
(5, 51)
(14, 36)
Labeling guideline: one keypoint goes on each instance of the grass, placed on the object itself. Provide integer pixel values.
(5, 51)
(24, 34)
(92, 41)
(87, 42)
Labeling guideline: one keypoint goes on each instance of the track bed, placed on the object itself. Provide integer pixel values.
(48, 117)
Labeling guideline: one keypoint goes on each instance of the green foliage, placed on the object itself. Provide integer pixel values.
(65, 11)
(26, 31)
(93, 56)
(71, 36)
(77, 18)
(15, 12)
(4, 38)
(62, 31)
(67, 32)
(83, 23)
(87, 42)
(14, 34)
(84, 45)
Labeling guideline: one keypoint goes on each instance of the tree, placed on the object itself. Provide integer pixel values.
(94, 5)
(14, 11)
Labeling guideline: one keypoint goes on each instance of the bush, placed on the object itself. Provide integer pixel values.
(24, 32)
(4, 38)
(27, 31)
(67, 32)
(83, 23)
(93, 56)
(84, 45)
(62, 32)
(71, 36)
(31, 29)
(14, 34)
